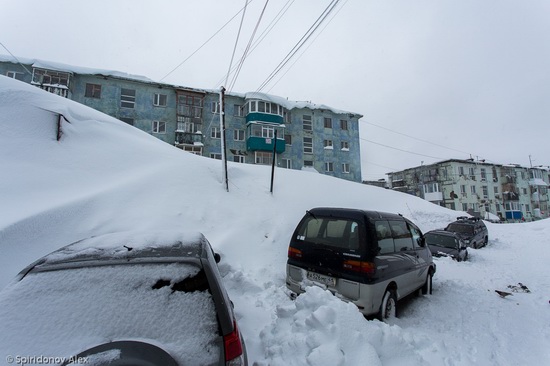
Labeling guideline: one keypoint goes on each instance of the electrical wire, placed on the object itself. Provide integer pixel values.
(243, 58)
(307, 48)
(208, 40)
(16, 59)
(262, 36)
(236, 42)
(300, 43)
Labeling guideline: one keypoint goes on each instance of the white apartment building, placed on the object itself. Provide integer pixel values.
(511, 192)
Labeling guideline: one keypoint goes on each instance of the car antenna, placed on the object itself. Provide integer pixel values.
(311, 214)
(129, 248)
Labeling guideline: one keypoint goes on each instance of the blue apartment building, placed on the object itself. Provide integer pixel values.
(303, 135)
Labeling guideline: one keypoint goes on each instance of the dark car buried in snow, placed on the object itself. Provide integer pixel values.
(446, 244)
(129, 298)
(471, 229)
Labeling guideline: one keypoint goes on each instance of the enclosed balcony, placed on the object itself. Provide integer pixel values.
(261, 137)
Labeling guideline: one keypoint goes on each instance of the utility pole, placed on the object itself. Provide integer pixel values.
(222, 128)
(273, 161)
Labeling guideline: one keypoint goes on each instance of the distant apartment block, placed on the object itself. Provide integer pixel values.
(303, 135)
(511, 192)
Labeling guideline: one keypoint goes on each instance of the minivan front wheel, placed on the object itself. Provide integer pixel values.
(388, 309)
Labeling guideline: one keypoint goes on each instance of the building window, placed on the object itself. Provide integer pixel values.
(93, 91)
(215, 107)
(238, 110)
(286, 117)
(472, 174)
(308, 145)
(238, 158)
(464, 207)
(483, 174)
(15, 75)
(197, 150)
(307, 123)
(461, 170)
(216, 156)
(190, 105)
(288, 139)
(343, 124)
(263, 158)
(328, 144)
(127, 98)
(329, 166)
(268, 132)
(286, 163)
(238, 135)
(473, 189)
(328, 122)
(159, 100)
(308, 163)
(130, 121)
(345, 168)
(485, 191)
(215, 133)
(344, 145)
(463, 190)
(159, 127)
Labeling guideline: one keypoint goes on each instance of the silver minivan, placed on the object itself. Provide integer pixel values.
(369, 258)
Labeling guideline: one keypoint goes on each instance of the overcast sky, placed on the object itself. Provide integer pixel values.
(434, 79)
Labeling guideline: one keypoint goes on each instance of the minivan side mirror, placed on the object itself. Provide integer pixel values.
(421, 241)
(217, 257)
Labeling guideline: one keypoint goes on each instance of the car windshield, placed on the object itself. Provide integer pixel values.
(70, 310)
(440, 240)
(461, 228)
(330, 231)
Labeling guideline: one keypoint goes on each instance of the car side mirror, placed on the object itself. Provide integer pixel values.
(463, 248)
(217, 257)
(421, 241)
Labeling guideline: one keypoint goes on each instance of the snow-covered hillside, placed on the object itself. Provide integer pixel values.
(106, 176)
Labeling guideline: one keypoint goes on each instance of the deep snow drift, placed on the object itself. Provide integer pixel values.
(105, 176)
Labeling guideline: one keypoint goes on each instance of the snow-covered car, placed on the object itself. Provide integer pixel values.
(369, 258)
(446, 244)
(129, 298)
(471, 229)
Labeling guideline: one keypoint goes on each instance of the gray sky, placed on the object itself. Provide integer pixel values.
(438, 79)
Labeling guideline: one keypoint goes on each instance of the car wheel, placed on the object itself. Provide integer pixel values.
(427, 288)
(388, 309)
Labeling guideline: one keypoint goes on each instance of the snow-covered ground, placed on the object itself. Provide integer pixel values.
(105, 176)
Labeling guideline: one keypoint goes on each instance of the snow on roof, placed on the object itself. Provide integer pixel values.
(41, 64)
(537, 182)
(288, 104)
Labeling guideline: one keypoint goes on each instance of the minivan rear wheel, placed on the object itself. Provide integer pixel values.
(427, 288)
(388, 309)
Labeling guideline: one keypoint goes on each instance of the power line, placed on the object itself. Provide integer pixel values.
(415, 138)
(300, 43)
(245, 53)
(236, 43)
(262, 36)
(307, 48)
(16, 59)
(208, 40)
(406, 151)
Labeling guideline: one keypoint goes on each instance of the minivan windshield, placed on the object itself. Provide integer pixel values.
(339, 233)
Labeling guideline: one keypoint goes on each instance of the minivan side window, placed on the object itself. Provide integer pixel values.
(416, 235)
(401, 236)
(384, 236)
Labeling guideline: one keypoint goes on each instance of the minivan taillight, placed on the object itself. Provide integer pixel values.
(294, 253)
(360, 266)
(233, 347)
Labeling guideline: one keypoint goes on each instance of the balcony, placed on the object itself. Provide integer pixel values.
(261, 137)
(265, 144)
(433, 196)
(187, 138)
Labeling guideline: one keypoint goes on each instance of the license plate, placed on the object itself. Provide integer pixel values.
(326, 280)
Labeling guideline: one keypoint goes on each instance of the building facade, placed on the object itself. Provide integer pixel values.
(510, 192)
(303, 135)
